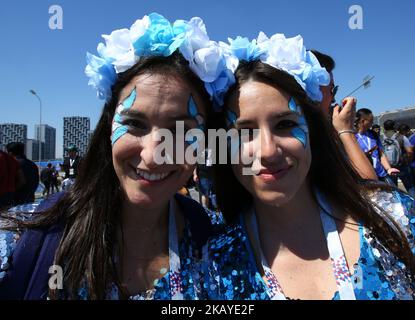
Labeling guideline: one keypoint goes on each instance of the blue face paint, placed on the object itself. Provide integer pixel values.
(300, 135)
(292, 105)
(118, 133)
(300, 132)
(230, 117)
(118, 129)
(192, 111)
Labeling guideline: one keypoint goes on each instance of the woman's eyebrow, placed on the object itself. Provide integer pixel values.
(136, 114)
(133, 114)
(241, 122)
(181, 117)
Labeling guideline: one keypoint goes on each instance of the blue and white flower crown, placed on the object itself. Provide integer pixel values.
(154, 35)
(287, 54)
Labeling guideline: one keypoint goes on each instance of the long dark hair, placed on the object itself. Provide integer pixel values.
(331, 172)
(90, 210)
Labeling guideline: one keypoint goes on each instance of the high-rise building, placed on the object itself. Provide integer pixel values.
(32, 149)
(12, 132)
(48, 139)
(75, 132)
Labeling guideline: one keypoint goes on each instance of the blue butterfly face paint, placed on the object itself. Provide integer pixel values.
(300, 135)
(292, 105)
(300, 132)
(118, 129)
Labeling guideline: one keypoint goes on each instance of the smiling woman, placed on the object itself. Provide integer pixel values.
(298, 225)
(122, 231)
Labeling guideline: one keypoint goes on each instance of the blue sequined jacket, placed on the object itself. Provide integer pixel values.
(197, 221)
(232, 272)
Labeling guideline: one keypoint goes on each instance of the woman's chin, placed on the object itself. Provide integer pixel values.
(274, 198)
(144, 201)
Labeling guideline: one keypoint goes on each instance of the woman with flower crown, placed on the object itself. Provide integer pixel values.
(122, 231)
(301, 224)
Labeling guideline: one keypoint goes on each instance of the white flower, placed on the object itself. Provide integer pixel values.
(139, 28)
(231, 60)
(196, 45)
(208, 62)
(290, 55)
(287, 54)
(118, 49)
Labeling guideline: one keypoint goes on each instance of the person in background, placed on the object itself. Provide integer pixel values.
(71, 166)
(399, 153)
(11, 178)
(71, 163)
(372, 146)
(404, 130)
(54, 183)
(342, 118)
(25, 194)
(376, 129)
(46, 178)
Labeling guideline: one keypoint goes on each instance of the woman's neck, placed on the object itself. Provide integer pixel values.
(136, 221)
(294, 226)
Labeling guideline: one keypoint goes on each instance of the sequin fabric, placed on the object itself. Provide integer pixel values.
(8, 239)
(189, 259)
(189, 286)
(232, 272)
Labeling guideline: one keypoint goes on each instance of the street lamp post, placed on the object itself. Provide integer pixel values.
(40, 125)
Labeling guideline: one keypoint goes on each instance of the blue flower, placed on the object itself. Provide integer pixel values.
(161, 38)
(101, 75)
(314, 76)
(245, 50)
(218, 88)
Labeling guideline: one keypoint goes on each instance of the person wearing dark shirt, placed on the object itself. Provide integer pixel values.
(71, 163)
(46, 178)
(30, 171)
(11, 178)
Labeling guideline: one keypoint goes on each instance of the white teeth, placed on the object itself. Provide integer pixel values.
(153, 176)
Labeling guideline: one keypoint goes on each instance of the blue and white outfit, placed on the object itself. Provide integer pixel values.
(180, 282)
(233, 273)
(367, 142)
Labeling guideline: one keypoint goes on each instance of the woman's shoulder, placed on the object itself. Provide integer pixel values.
(401, 208)
(11, 235)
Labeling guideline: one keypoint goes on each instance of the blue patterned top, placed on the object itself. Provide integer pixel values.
(233, 274)
(189, 253)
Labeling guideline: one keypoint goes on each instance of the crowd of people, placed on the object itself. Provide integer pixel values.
(20, 177)
(314, 219)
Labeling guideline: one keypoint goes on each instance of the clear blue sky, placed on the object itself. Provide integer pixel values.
(52, 62)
